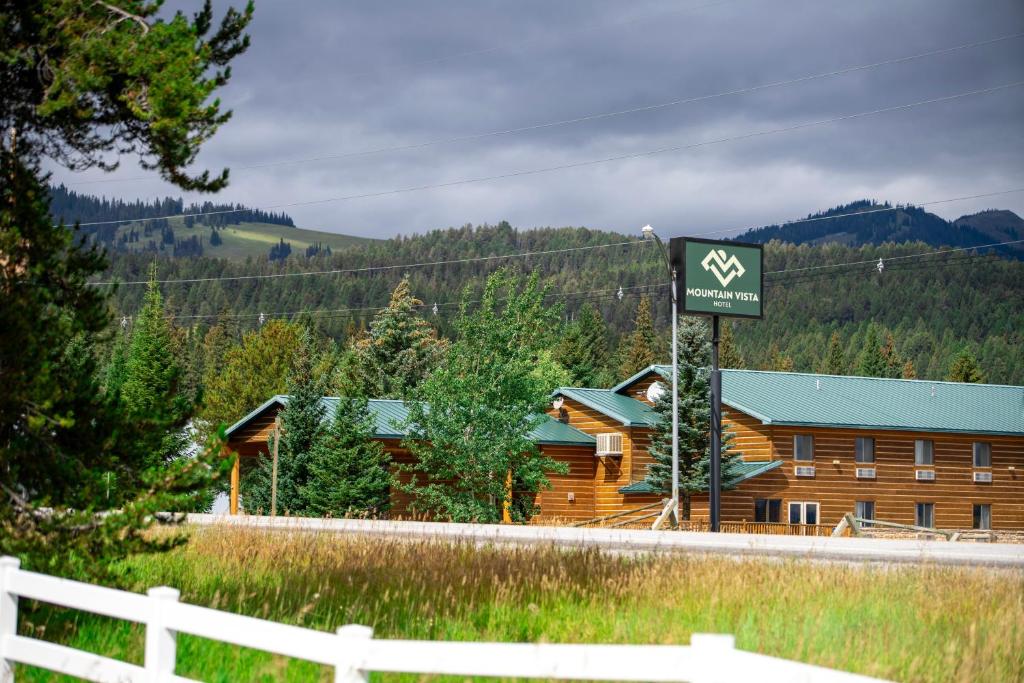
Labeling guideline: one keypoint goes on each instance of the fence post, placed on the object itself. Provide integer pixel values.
(161, 642)
(714, 658)
(351, 639)
(8, 614)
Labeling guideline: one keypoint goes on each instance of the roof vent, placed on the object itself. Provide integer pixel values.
(933, 391)
(817, 384)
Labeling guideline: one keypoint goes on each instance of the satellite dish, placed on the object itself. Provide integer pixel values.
(655, 391)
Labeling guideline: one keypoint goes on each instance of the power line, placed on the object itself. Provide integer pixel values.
(894, 258)
(368, 269)
(597, 116)
(590, 162)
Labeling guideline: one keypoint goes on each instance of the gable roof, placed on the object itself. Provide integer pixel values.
(804, 399)
(813, 400)
(741, 471)
(628, 411)
(389, 415)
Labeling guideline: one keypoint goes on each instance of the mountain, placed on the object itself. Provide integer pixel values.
(230, 231)
(874, 223)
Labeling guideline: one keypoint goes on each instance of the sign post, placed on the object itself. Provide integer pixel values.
(718, 278)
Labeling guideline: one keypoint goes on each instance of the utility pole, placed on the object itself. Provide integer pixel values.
(273, 475)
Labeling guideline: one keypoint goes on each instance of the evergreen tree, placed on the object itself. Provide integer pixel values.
(469, 432)
(400, 349)
(152, 376)
(872, 362)
(116, 370)
(348, 470)
(694, 422)
(215, 239)
(965, 368)
(638, 349)
(729, 355)
(583, 349)
(893, 360)
(777, 361)
(908, 371)
(835, 359)
(300, 430)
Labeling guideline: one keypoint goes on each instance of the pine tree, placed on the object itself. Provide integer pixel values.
(835, 359)
(300, 430)
(965, 368)
(694, 422)
(399, 350)
(893, 360)
(348, 471)
(638, 349)
(729, 355)
(152, 375)
(777, 361)
(115, 372)
(871, 362)
(583, 349)
(215, 239)
(908, 371)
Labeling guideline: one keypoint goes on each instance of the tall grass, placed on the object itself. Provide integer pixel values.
(906, 623)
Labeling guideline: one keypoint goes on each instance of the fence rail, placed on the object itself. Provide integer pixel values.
(352, 650)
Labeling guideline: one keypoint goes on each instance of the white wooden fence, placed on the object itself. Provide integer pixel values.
(352, 651)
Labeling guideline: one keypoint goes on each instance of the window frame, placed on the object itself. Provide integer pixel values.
(987, 450)
(918, 461)
(803, 506)
(860, 441)
(930, 509)
(796, 450)
(768, 503)
(983, 521)
(859, 508)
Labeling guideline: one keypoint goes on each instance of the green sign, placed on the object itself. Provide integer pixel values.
(719, 278)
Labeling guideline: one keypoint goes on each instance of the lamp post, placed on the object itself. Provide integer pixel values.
(648, 233)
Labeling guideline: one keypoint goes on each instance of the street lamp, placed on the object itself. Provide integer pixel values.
(648, 233)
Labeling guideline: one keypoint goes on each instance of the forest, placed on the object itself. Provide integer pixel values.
(818, 312)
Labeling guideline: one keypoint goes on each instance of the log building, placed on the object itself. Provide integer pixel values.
(813, 447)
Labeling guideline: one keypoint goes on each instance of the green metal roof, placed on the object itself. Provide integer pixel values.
(390, 415)
(628, 411)
(802, 399)
(664, 370)
(741, 471)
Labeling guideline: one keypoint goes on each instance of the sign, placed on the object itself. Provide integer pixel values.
(718, 278)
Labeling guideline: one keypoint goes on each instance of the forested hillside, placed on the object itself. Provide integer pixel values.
(924, 311)
(873, 223)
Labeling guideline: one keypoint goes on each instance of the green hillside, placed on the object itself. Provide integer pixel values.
(243, 241)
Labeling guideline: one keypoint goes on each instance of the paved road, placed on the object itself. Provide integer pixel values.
(1005, 555)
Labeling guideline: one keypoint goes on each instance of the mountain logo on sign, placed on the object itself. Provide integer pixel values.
(725, 269)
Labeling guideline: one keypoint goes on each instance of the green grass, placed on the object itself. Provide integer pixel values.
(247, 240)
(904, 623)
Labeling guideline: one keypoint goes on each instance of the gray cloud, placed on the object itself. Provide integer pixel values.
(329, 77)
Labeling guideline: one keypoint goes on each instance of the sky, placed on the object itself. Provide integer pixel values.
(346, 78)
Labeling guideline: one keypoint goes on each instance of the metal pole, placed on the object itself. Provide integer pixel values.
(675, 399)
(715, 488)
(273, 475)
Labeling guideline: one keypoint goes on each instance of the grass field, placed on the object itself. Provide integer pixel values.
(254, 239)
(902, 623)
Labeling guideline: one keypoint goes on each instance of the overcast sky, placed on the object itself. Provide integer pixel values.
(332, 77)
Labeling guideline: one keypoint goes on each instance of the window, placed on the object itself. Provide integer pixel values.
(924, 452)
(982, 454)
(803, 447)
(982, 516)
(864, 509)
(864, 449)
(767, 510)
(803, 513)
(925, 515)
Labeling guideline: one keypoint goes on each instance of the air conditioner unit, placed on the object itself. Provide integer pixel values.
(983, 477)
(924, 475)
(804, 471)
(609, 444)
(865, 472)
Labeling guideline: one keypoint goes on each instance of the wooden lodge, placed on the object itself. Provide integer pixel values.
(812, 447)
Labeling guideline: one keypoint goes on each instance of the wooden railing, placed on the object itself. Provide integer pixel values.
(352, 651)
